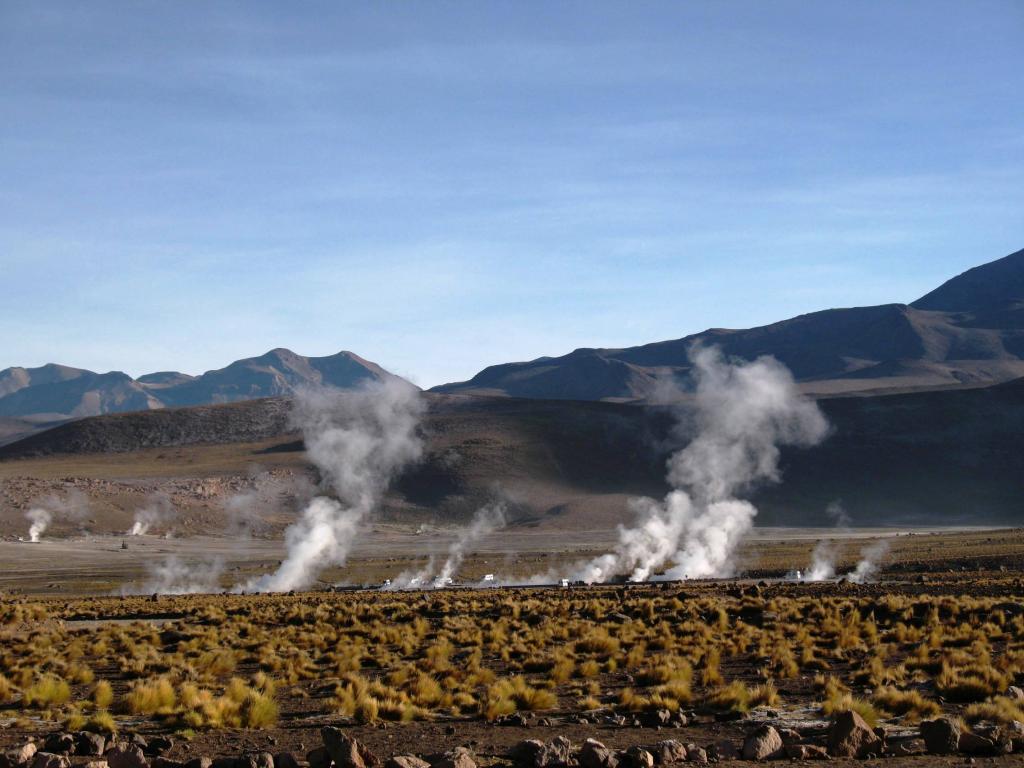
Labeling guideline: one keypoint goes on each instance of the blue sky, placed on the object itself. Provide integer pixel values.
(447, 185)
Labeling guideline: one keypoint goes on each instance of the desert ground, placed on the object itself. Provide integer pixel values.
(710, 664)
(94, 646)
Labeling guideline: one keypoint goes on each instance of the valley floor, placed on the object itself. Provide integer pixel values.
(133, 564)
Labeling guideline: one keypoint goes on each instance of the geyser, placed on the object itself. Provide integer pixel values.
(359, 440)
(743, 412)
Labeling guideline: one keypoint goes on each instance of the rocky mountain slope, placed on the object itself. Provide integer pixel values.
(54, 392)
(932, 458)
(968, 332)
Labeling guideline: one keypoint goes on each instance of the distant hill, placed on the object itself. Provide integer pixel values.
(930, 458)
(968, 332)
(56, 392)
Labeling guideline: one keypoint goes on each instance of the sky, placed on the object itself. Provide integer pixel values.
(443, 186)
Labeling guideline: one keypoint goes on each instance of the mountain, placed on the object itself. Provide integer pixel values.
(967, 332)
(278, 372)
(932, 457)
(57, 392)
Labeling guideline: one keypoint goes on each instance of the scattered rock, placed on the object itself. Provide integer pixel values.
(695, 754)
(850, 736)
(460, 757)
(991, 743)
(762, 744)
(790, 736)
(638, 757)
(255, 760)
(50, 760)
(224, 762)
(406, 761)
(941, 736)
(199, 762)
(59, 744)
(288, 760)
(96, 764)
(657, 717)
(528, 753)
(21, 755)
(560, 750)
(166, 762)
(318, 758)
(725, 750)
(806, 752)
(89, 744)
(594, 754)
(345, 751)
(668, 752)
(158, 745)
(126, 755)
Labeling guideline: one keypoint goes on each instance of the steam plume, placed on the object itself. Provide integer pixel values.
(823, 562)
(39, 519)
(485, 521)
(743, 413)
(158, 511)
(825, 554)
(73, 506)
(358, 440)
(869, 564)
(173, 576)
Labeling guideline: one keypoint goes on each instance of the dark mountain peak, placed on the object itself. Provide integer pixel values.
(981, 289)
(968, 332)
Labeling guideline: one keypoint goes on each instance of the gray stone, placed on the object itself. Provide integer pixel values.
(460, 757)
(158, 745)
(657, 717)
(50, 760)
(850, 736)
(762, 744)
(318, 758)
(126, 755)
(528, 753)
(941, 736)
(695, 754)
(89, 744)
(725, 750)
(638, 757)
(668, 752)
(989, 743)
(59, 744)
(1015, 692)
(255, 760)
(594, 754)
(345, 751)
(22, 755)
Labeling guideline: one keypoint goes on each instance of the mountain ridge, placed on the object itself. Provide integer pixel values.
(967, 332)
(55, 392)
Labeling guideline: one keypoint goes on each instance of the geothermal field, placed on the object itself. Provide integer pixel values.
(168, 609)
